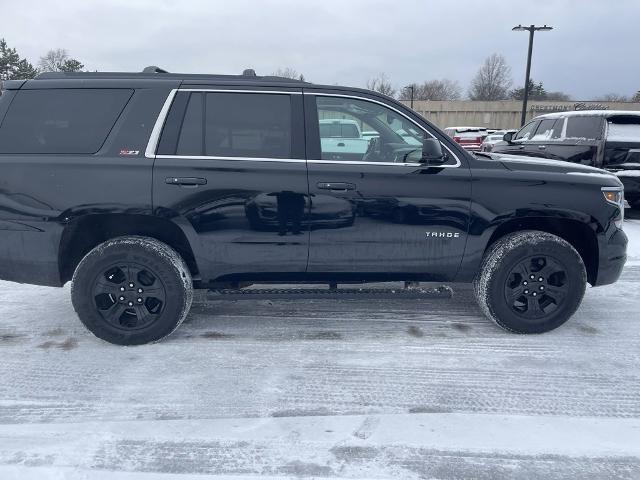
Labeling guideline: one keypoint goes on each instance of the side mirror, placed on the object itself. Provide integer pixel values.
(432, 152)
(508, 137)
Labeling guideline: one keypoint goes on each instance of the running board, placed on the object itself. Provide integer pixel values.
(442, 292)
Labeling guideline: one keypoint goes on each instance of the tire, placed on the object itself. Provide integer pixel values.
(507, 293)
(150, 276)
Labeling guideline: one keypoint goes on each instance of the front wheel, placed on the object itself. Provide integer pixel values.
(530, 282)
(132, 290)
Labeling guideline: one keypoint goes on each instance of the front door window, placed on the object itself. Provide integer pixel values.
(363, 131)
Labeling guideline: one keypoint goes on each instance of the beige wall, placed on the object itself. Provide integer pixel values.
(500, 114)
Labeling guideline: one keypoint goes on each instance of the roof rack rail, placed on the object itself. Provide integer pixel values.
(154, 69)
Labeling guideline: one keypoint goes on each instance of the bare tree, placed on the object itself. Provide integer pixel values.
(613, 97)
(636, 97)
(444, 89)
(288, 72)
(381, 84)
(58, 60)
(492, 81)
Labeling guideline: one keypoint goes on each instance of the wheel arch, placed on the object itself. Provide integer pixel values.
(81, 235)
(579, 234)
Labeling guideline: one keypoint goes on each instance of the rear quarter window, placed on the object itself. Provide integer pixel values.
(61, 120)
(588, 127)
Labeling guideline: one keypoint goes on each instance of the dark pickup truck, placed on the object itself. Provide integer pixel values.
(606, 139)
(140, 187)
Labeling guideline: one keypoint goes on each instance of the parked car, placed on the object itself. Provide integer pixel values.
(469, 138)
(493, 139)
(140, 187)
(601, 138)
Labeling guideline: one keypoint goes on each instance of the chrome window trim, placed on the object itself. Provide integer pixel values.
(229, 90)
(360, 162)
(152, 144)
(366, 99)
(234, 159)
(291, 160)
(154, 138)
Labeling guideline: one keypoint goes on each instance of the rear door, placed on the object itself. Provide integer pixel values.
(383, 212)
(230, 165)
(580, 140)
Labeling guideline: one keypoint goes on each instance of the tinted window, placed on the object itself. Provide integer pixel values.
(557, 128)
(248, 125)
(584, 127)
(190, 137)
(61, 121)
(527, 131)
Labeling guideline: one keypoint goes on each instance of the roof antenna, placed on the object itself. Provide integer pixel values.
(249, 72)
(153, 69)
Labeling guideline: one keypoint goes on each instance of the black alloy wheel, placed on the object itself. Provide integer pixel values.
(536, 287)
(129, 296)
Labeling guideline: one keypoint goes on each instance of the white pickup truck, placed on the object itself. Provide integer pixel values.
(341, 138)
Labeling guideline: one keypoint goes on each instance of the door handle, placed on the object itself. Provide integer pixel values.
(336, 186)
(542, 147)
(521, 147)
(187, 181)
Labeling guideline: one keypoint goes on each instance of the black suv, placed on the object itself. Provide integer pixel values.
(140, 187)
(601, 138)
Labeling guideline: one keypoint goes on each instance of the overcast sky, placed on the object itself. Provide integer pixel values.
(592, 50)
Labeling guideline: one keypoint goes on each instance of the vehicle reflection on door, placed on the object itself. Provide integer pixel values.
(284, 212)
(411, 211)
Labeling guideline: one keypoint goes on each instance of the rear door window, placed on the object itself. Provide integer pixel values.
(228, 124)
(248, 125)
(75, 120)
(587, 127)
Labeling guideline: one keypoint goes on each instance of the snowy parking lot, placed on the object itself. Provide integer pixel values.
(324, 389)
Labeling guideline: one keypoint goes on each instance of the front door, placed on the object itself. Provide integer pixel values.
(230, 165)
(373, 207)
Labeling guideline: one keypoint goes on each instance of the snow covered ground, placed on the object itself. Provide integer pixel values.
(324, 389)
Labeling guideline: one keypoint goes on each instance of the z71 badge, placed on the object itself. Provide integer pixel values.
(129, 153)
(443, 235)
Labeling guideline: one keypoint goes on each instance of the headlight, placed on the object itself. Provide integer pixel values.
(615, 196)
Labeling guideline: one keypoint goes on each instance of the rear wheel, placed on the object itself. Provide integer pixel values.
(530, 282)
(132, 290)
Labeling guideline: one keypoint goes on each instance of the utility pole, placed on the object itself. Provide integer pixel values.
(531, 29)
(411, 87)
